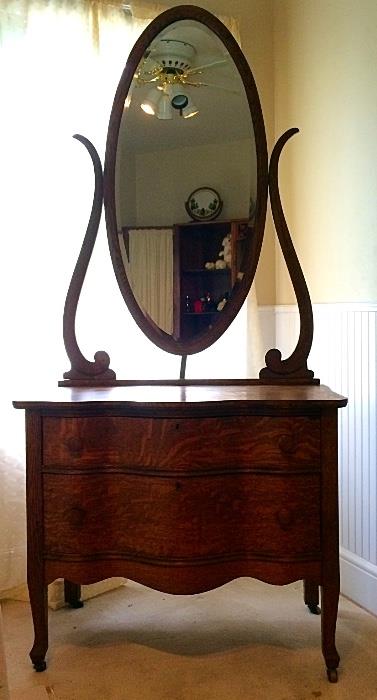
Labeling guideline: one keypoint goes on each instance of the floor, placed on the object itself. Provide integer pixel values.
(243, 641)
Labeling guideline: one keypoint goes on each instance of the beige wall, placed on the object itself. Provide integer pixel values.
(126, 187)
(325, 84)
(166, 178)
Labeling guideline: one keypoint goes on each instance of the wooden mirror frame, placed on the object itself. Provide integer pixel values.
(206, 338)
(290, 370)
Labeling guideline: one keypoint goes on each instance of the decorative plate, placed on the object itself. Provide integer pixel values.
(204, 204)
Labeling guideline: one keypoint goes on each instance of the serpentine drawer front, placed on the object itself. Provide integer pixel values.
(183, 489)
(193, 443)
(158, 518)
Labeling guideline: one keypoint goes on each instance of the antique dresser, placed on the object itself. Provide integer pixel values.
(185, 485)
(184, 489)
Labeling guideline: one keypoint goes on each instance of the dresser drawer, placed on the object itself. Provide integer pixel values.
(154, 518)
(191, 443)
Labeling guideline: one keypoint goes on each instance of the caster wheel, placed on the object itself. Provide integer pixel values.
(332, 675)
(40, 666)
(314, 609)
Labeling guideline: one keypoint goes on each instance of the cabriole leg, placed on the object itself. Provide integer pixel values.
(330, 600)
(39, 611)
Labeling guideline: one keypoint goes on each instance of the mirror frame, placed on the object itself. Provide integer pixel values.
(150, 329)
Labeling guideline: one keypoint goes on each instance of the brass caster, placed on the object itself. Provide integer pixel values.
(332, 675)
(75, 604)
(314, 609)
(39, 666)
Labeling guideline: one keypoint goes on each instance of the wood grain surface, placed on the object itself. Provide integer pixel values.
(162, 520)
(191, 443)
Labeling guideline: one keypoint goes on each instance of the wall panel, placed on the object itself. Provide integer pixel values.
(344, 357)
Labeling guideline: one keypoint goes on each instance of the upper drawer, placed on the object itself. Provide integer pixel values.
(188, 443)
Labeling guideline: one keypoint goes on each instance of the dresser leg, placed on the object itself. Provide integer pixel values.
(330, 600)
(311, 597)
(39, 611)
(72, 594)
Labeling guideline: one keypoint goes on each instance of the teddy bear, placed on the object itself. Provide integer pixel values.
(226, 252)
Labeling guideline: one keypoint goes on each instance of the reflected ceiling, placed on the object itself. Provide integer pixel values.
(223, 110)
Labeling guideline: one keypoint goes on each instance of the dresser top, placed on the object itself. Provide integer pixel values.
(160, 395)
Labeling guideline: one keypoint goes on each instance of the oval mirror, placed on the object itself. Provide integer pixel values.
(185, 180)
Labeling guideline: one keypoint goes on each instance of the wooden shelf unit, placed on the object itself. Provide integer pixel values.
(195, 244)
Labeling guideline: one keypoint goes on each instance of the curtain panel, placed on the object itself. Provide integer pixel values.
(60, 62)
(149, 267)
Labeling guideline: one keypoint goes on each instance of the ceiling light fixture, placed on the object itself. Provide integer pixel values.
(167, 65)
(162, 100)
(170, 73)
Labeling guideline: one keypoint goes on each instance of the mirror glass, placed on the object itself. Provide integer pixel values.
(185, 169)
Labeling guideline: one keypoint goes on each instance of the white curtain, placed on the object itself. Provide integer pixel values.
(60, 62)
(149, 266)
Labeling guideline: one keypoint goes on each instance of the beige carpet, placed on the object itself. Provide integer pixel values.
(244, 641)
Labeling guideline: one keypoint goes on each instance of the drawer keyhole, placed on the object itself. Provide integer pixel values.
(77, 517)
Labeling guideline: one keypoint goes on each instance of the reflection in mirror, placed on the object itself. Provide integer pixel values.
(186, 125)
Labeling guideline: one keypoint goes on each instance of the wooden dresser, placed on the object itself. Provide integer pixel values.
(183, 488)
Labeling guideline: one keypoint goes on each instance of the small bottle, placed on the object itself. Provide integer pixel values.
(209, 305)
(187, 305)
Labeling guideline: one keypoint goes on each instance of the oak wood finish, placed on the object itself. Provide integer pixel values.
(294, 366)
(81, 368)
(183, 489)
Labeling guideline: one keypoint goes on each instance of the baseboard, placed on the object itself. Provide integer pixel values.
(358, 579)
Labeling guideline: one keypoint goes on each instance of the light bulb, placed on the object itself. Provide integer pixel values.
(164, 108)
(190, 110)
(149, 103)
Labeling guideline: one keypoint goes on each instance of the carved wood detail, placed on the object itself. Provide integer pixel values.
(294, 366)
(81, 368)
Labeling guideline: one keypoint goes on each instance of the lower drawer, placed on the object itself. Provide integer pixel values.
(189, 518)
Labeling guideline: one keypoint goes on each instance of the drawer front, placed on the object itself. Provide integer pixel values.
(195, 518)
(190, 443)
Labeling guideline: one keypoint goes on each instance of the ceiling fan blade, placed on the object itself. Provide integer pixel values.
(195, 69)
(212, 85)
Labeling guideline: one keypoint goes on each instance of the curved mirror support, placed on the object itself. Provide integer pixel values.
(185, 180)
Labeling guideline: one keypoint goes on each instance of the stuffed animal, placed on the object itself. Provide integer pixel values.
(223, 301)
(226, 251)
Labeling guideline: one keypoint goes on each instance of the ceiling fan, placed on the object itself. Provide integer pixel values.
(168, 65)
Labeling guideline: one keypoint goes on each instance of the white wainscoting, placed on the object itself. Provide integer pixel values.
(344, 357)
